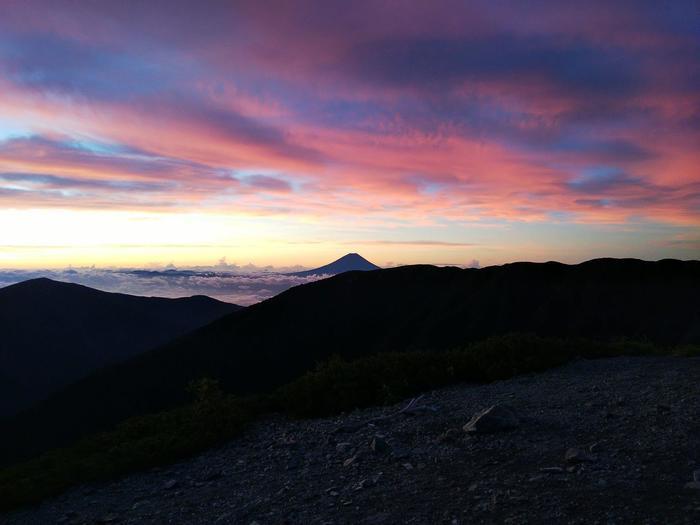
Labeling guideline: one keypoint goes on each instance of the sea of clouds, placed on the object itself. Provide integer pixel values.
(244, 285)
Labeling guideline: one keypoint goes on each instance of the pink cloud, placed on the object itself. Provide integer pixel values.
(415, 113)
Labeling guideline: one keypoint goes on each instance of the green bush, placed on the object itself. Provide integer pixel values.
(339, 386)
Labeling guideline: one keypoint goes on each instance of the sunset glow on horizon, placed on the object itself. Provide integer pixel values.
(141, 133)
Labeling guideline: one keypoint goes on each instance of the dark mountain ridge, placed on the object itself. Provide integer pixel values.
(361, 313)
(53, 333)
(347, 263)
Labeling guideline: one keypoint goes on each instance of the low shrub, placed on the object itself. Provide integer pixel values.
(338, 385)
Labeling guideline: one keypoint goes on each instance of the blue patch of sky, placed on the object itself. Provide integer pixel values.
(99, 147)
(13, 129)
(600, 179)
(53, 63)
(252, 176)
(561, 216)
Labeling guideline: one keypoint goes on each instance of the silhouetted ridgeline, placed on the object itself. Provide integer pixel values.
(52, 333)
(363, 313)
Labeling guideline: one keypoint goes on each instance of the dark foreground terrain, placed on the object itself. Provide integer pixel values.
(633, 423)
(360, 314)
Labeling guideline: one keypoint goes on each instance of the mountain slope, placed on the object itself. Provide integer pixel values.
(52, 333)
(636, 410)
(362, 313)
(347, 263)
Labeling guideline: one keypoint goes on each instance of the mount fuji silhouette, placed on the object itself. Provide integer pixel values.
(347, 263)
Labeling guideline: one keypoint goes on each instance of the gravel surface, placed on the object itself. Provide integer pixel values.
(605, 441)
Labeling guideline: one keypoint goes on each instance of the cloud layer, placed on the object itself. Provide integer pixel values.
(379, 113)
(245, 286)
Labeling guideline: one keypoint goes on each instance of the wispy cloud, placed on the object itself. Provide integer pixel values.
(388, 242)
(359, 114)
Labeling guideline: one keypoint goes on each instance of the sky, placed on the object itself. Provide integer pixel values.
(139, 134)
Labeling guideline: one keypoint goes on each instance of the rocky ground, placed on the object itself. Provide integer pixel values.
(606, 441)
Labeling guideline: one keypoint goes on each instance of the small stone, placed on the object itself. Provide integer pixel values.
(211, 475)
(407, 466)
(552, 470)
(696, 475)
(289, 442)
(575, 455)
(170, 484)
(497, 418)
(363, 484)
(449, 436)
(349, 461)
(379, 445)
(400, 453)
(343, 447)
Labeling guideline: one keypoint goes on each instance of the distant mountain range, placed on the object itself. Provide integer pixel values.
(361, 313)
(347, 263)
(73, 330)
(53, 333)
